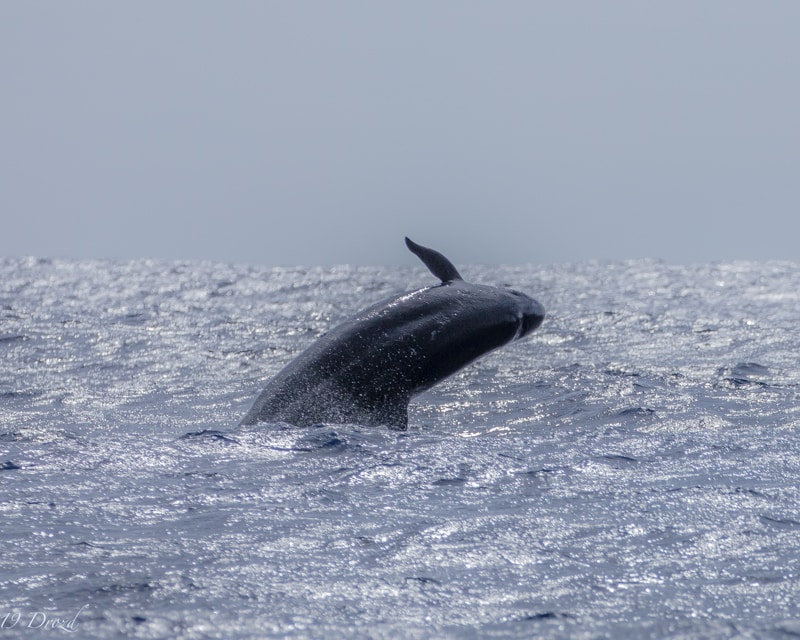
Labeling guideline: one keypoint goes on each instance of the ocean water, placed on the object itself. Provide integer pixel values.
(631, 470)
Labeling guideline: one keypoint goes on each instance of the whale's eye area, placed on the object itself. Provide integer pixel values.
(530, 322)
(532, 313)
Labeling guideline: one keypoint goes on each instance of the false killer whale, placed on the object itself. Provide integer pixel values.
(366, 370)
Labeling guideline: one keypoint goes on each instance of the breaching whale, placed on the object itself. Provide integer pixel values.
(366, 370)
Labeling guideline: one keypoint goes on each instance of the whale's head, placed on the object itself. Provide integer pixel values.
(447, 326)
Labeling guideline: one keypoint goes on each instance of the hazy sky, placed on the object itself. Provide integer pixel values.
(322, 132)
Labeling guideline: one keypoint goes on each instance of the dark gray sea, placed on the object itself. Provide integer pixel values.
(631, 470)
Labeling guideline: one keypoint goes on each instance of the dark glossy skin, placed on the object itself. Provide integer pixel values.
(366, 370)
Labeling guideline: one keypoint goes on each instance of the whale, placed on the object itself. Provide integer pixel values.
(366, 370)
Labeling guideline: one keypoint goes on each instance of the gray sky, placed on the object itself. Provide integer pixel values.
(322, 132)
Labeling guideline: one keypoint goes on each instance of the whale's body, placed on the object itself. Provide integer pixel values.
(366, 370)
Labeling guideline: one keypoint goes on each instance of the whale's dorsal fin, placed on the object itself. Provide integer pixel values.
(440, 266)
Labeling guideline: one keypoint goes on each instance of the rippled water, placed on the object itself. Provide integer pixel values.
(631, 470)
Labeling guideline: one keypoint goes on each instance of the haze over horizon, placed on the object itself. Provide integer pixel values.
(322, 133)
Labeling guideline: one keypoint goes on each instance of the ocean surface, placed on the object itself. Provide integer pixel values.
(631, 470)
